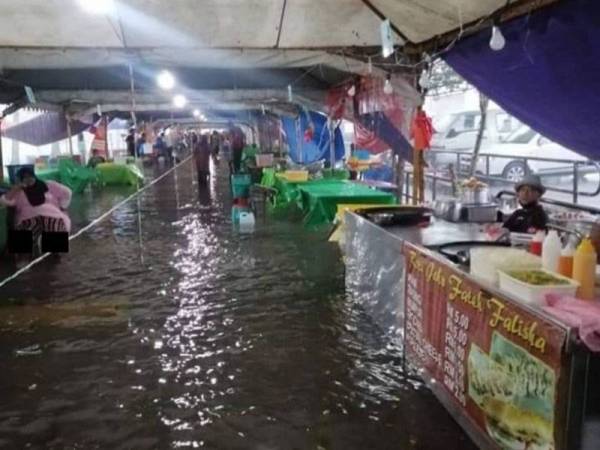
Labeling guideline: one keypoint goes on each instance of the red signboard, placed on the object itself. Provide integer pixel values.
(498, 362)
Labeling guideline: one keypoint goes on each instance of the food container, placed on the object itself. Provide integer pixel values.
(487, 261)
(534, 294)
(296, 175)
(264, 160)
(475, 195)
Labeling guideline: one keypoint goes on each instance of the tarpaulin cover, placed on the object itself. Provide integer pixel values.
(44, 129)
(313, 143)
(320, 199)
(547, 74)
(381, 120)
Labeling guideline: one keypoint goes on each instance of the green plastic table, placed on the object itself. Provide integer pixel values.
(119, 174)
(48, 174)
(320, 199)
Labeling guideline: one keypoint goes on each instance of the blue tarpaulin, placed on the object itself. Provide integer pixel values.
(548, 73)
(318, 147)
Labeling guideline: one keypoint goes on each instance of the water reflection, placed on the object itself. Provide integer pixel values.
(219, 341)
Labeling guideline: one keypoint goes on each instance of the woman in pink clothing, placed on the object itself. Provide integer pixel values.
(39, 205)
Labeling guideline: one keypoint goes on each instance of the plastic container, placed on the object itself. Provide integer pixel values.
(14, 168)
(533, 294)
(565, 263)
(296, 176)
(240, 185)
(551, 249)
(247, 222)
(584, 269)
(264, 160)
(535, 246)
(236, 212)
(486, 262)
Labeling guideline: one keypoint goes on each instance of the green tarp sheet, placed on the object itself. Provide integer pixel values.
(320, 200)
(72, 175)
(119, 174)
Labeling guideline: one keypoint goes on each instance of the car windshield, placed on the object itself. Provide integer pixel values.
(522, 135)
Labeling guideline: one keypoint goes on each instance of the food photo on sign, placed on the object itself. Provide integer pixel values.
(515, 392)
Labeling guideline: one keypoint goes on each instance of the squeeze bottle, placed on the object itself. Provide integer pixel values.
(535, 246)
(565, 263)
(584, 269)
(551, 249)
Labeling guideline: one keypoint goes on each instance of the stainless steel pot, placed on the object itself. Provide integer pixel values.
(475, 196)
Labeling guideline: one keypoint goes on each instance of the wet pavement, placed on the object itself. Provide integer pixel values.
(174, 331)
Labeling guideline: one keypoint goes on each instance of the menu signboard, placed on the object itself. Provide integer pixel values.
(498, 362)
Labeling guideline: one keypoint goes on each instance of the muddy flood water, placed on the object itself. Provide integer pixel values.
(163, 328)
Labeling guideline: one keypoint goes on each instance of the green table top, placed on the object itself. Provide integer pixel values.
(335, 189)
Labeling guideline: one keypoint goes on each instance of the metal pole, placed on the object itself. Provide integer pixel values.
(332, 145)
(575, 182)
(106, 137)
(1, 158)
(69, 136)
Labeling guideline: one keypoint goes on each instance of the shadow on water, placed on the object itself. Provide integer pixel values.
(182, 333)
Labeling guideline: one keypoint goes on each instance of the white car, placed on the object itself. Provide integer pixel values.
(522, 144)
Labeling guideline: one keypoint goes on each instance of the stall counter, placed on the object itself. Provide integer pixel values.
(494, 362)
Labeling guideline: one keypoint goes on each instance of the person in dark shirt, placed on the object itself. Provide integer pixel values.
(130, 141)
(96, 159)
(531, 215)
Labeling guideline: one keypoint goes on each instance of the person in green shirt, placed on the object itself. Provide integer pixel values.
(95, 159)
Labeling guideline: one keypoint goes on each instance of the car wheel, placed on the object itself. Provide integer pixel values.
(515, 171)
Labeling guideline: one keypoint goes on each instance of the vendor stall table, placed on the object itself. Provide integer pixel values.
(51, 174)
(320, 199)
(511, 374)
(119, 174)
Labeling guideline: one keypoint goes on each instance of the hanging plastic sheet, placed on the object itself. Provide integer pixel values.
(44, 129)
(308, 138)
(381, 120)
(547, 73)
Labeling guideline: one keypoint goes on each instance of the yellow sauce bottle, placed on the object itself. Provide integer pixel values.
(584, 269)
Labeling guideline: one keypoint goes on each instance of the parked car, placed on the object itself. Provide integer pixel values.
(526, 143)
(458, 133)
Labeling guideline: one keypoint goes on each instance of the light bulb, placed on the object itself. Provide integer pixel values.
(424, 80)
(196, 113)
(97, 6)
(179, 101)
(497, 42)
(352, 91)
(387, 87)
(290, 94)
(165, 80)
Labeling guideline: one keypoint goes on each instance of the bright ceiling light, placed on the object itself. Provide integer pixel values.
(97, 6)
(179, 101)
(196, 113)
(165, 80)
(388, 89)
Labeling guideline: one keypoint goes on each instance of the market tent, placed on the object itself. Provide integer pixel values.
(547, 75)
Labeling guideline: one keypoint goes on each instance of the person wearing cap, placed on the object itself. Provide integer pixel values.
(531, 215)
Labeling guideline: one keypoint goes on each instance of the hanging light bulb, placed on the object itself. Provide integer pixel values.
(370, 66)
(387, 87)
(165, 80)
(424, 80)
(497, 42)
(352, 91)
(197, 113)
(290, 93)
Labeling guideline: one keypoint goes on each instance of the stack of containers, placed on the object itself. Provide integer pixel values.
(240, 188)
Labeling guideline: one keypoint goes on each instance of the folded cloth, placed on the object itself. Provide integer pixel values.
(579, 314)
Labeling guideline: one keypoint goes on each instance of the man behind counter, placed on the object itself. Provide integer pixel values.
(530, 216)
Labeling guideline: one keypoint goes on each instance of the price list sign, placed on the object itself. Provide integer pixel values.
(496, 360)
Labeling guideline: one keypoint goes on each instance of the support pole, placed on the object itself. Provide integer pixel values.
(69, 135)
(332, 144)
(106, 155)
(399, 179)
(1, 158)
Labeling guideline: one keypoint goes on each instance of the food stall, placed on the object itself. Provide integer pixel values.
(512, 374)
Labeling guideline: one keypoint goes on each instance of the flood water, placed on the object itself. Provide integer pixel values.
(177, 332)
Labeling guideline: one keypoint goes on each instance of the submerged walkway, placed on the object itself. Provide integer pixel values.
(176, 332)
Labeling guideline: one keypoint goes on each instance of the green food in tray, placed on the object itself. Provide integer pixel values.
(537, 278)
